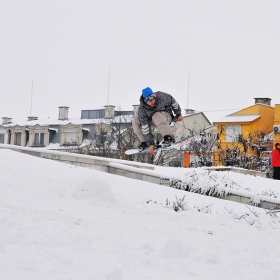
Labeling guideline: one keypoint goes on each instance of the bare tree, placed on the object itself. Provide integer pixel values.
(203, 148)
(240, 155)
(200, 146)
(111, 137)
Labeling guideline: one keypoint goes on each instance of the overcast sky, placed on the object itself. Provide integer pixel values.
(210, 55)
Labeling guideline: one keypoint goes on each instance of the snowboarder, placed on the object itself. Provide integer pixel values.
(275, 155)
(155, 111)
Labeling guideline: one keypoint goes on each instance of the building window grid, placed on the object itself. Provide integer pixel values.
(2, 138)
(232, 132)
(70, 137)
(18, 138)
(39, 139)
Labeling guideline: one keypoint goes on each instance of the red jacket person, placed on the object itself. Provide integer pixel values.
(275, 155)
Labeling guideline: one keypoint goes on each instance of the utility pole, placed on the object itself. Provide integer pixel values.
(188, 90)
(108, 87)
(31, 98)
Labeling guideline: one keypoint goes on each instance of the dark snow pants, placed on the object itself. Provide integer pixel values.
(276, 173)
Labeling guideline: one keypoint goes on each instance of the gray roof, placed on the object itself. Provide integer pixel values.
(54, 121)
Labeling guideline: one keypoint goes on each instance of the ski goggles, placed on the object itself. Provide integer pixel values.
(150, 97)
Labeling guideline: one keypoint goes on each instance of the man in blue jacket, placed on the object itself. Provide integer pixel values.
(155, 111)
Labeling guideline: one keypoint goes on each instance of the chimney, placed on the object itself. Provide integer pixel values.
(260, 100)
(189, 112)
(63, 113)
(109, 111)
(135, 110)
(6, 120)
(32, 118)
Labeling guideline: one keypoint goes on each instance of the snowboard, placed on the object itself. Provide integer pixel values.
(160, 148)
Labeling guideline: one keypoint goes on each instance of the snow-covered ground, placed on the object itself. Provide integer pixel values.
(58, 221)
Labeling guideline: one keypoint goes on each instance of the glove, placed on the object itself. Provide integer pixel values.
(151, 150)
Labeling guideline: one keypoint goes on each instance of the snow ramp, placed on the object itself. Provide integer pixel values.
(203, 181)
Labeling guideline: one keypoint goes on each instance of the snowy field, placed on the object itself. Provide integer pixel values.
(59, 222)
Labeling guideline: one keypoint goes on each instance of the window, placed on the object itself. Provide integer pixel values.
(93, 114)
(2, 138)
(232, 132)
(18, 138)
(70, 137)
(196, 161)
(212, 135)
(123, 113)
(39, 139)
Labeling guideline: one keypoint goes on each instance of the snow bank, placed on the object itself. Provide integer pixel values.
(96, 189)
(61, 222)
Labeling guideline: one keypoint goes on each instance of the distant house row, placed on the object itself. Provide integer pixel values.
(64, 131)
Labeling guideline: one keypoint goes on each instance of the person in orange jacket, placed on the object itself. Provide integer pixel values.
(275, 155)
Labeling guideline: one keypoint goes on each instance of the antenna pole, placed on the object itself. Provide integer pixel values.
(188, 90)
(31, 98)
(108, 87)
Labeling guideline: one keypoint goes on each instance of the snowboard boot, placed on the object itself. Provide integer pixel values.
(143, 146)
(167, 141)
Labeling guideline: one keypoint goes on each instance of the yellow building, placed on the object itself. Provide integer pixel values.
(248, 125)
